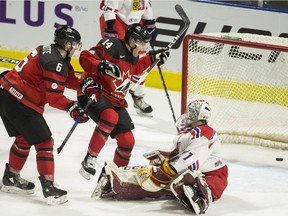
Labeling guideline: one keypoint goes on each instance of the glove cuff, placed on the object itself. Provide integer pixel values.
(149, 24)
(168, 169)
(110, 33)
(71, 106)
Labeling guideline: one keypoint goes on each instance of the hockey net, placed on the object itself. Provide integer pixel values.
(244, 77)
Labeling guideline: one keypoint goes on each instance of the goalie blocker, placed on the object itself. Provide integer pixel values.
(189, 188)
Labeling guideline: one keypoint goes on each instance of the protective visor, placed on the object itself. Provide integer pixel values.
(143, 46)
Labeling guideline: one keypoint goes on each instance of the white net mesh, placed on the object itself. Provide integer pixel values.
(246, 86)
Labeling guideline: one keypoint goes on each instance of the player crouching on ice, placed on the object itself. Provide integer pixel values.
(192, 171)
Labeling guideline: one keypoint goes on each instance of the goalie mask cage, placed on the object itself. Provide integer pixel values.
(244, 77)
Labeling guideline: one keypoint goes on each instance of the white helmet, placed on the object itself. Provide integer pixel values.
(198, 110)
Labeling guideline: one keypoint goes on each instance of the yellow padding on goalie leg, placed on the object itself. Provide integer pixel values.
(155, 178)
(168, 169)
(143, 177)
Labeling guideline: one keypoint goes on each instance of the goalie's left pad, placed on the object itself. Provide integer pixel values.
(155, 178)
(192, 192)
(120, 183)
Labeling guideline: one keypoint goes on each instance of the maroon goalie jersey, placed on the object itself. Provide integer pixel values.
(115, 51)
(41, 78)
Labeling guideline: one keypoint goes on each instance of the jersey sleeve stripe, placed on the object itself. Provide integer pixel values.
(54, 91)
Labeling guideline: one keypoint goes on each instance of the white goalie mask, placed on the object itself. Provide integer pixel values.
(196, 110)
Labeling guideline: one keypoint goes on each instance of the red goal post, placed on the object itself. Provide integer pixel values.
(244, 77)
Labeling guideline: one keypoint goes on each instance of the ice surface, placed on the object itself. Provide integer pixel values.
(258, 185)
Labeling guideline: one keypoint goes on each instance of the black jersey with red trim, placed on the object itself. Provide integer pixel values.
(115, 51)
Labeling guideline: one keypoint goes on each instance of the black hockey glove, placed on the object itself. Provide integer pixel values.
(161, 54)
(151, 28)
(110, 69)
(76, 111)
(110, 33)
(89, 87)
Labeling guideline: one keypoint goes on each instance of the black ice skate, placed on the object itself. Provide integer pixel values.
(141, 107)
(88, 166)
(13, 183)
(54, 195)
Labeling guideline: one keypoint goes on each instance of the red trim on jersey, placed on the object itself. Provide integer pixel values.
(5, 83)
(203, 130)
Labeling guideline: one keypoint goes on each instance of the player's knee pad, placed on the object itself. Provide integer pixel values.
(45, 149)
(108, 120)
(109, 116)
(45, 158)
(192, 192)
(19, 153)
(21, 145)
(125, 142)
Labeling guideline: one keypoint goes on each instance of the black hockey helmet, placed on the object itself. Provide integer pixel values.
(138, 33)
(64, 34)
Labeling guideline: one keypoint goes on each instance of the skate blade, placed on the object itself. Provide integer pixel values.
(85, 174)
(142, 114)
(15, 190)
(52, 200)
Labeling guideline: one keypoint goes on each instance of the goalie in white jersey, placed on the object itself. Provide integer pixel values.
(192, 171)
(116, 17)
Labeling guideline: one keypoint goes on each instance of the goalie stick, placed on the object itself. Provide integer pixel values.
(186, 21)
(59, 149)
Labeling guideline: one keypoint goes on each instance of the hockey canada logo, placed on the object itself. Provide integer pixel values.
(123, 87)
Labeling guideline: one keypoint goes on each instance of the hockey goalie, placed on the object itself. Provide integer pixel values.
(192, 172)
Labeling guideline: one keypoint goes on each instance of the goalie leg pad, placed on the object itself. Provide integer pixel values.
(121, 183)
(192, 192)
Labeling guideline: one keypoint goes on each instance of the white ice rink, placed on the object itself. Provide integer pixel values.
(258, 185)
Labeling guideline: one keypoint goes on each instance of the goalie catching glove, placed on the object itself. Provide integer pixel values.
(154, 178)
(89, 87)
(110, 69)
(161, 54)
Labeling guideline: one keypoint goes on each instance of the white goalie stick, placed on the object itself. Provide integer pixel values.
(186, 21)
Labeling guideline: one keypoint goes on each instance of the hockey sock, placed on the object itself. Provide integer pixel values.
(108, 120)
(45, 159)
(125, 143)
(18, 154)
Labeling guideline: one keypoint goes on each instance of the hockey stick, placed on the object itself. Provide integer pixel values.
(166, 91)
(142, 78)
(59, 149)
(186, 20)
